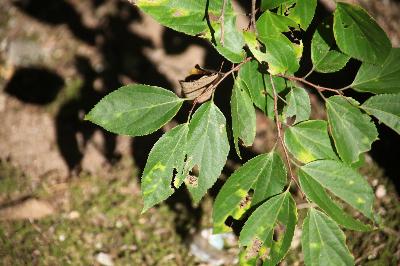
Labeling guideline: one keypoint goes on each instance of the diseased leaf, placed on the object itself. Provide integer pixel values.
(323, 242)
(324, 58)
(259, 86)
(208, 147)
(243, 115)
(298, 104)
(258, 231)
(309, 141)
(166, 156)
(378, 79)
(344, 182)
(303, 12)
(188, 16)
(135, 110)
(358, 35)
(264, 173)
(281, 54)
(352, 131)
(385, 107)
(316, 193)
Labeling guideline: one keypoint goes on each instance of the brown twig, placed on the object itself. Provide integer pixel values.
(279, 127)
(253, 16)
(225, 75)
(222, 21)
(315, 86)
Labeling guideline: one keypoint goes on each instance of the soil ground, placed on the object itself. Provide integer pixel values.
(69, 192)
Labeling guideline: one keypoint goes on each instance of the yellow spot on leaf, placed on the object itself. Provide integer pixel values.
(241, 193)
(159, 166)
(305, 156)
(351, 182)
(360, 201)
(314, 245)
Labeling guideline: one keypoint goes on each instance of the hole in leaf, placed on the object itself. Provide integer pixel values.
(174, 181)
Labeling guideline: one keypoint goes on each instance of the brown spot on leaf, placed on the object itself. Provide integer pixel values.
(192, 180)
(213, 17)
(255, 247)
(245, 201)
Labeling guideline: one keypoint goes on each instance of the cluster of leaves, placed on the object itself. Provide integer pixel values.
(195, 152)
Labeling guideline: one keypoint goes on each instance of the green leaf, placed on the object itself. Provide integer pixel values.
(344, 182)
(270, 4)
(135, 110)
(259, 86)
(324, 58)
(352, 131)
(166, 156)
(184, 16)
(309, 141)
(243, 115)
(187, 16)
(385, 107)
(281, 53)
(316, 193)
(208, 147)
(298, 104)
(265, 173)
(258, 231)
(358, 35)
(303, 12)
(232, 48)
(323, 242)
(272, 181)
(380, 79)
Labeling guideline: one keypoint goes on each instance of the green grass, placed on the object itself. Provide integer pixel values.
(109, 221)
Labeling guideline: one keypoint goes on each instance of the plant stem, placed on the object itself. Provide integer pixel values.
(222, 20)
(279, 127)
(253, 16)
(315, 86)
(309, 73)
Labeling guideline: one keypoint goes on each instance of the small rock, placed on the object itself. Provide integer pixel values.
(23, 53)
(380, 191)
(104, 259)
(28, 209)
(61, 238)
(74, 215)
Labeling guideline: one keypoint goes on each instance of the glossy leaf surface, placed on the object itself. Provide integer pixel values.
(208, 147)
(358, 35)
(323, 242)
(380, 78)
(343, 181)
(325, 59)
(264, 173)
(385, 107)
(279, 211)
(135, 110)
(243, 115)
(317, 194)
(298, 104)
(166, 156)
(352, 131)
(309, 141)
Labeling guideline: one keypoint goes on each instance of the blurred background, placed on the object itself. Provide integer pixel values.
(69, 191)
